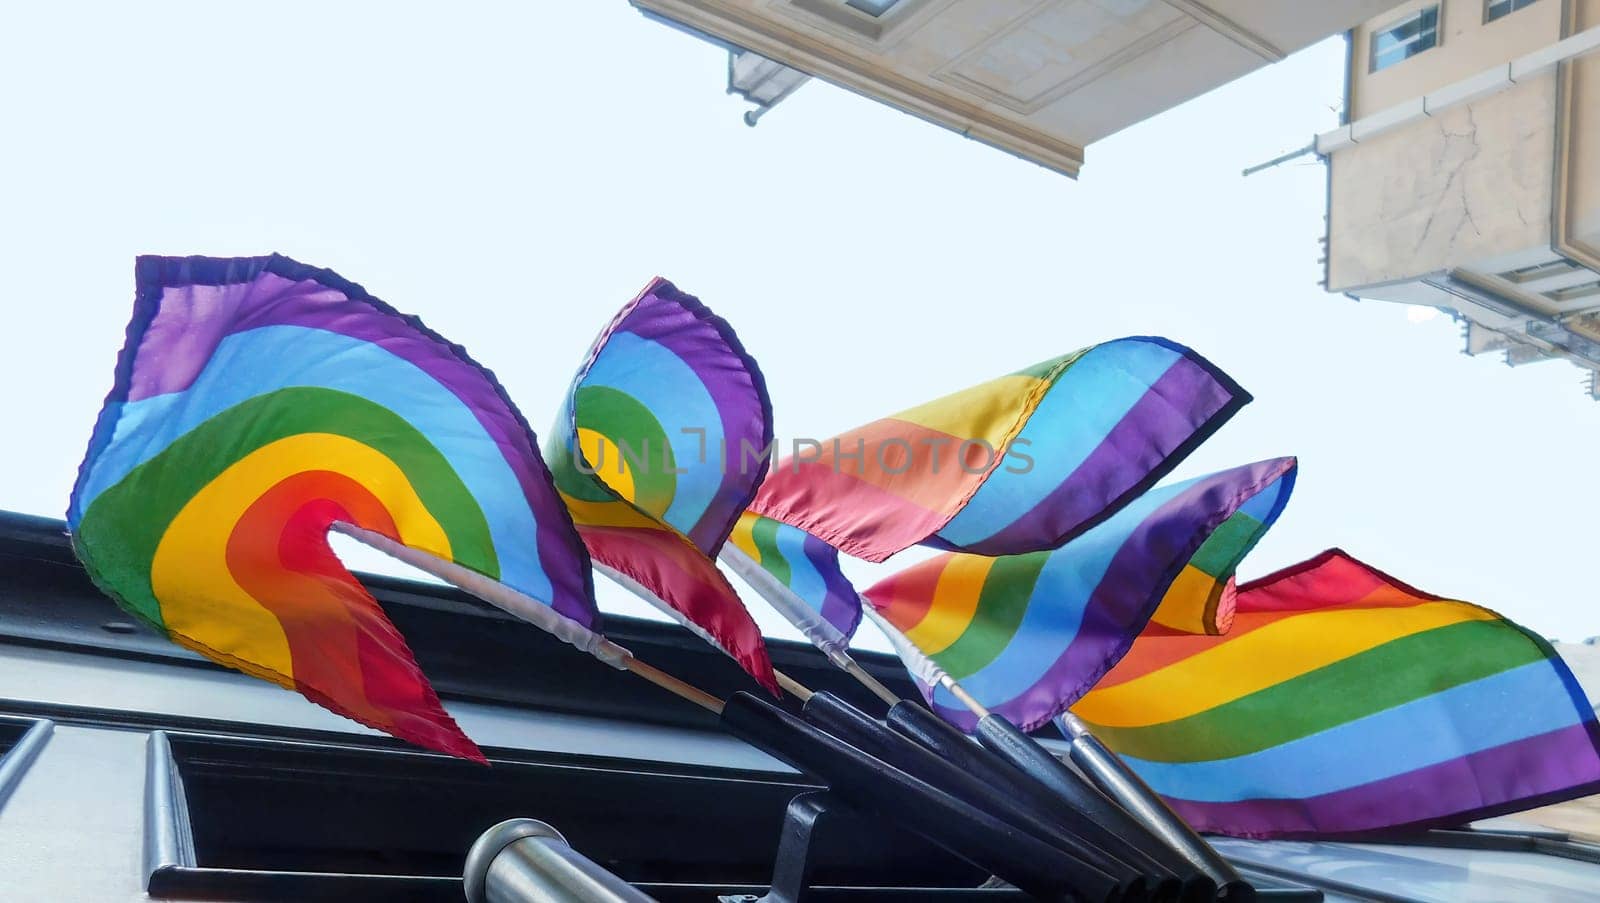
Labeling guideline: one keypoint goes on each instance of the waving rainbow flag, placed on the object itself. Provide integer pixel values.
(259, 402)
(1343, 701)
(657, 451)
(1022, 463)
(799, 575)
(1201, 598)
(1026, 635)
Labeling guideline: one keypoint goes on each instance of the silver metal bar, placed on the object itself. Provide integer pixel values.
(1281, 159)
(1113, 776)
(168, 842)
(527, 861)
(14, 764)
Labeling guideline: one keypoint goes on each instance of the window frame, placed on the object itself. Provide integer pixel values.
(21, 739)
(1437, 9)
(1578, 292)
(860, 6)
(189, 820)
(846, 20)
(1512, 7)
(1539, 272)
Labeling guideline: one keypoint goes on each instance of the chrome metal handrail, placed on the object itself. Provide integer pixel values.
(526, 861)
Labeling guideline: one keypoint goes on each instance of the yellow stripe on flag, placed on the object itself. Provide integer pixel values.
(1262, 658)
(609, 464)
(189, 574)
(743, 536)
(609, 514)
(987, 411)
(1184, 605)
(955, 601)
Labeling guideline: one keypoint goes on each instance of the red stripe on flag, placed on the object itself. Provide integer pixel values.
(668, 565)
(347, 655)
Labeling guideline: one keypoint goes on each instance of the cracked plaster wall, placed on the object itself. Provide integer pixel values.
(1467, 46)
(1471, 183)
(1583, 213)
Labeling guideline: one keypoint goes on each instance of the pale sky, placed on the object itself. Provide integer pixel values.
(514, 172)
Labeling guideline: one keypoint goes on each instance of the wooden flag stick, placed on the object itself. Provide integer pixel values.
(531, 610)
(961, 695)
(789, 684)
(674, 686)
(854, 669)
(792, 686)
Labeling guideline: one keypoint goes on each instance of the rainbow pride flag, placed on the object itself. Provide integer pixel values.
(1021, 463)
(656, 452)
(1028, 634)
(259, 402)
(799, 575)
(1201, 598)
(1343, 701)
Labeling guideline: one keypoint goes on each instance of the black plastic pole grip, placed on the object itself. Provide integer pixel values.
(889, 793)
(1025, 754)
(1121, 783)
(870, 736)
(916, 722)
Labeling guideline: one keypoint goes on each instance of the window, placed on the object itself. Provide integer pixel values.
(876, 8)
(1539, 271)
(1499, 9)
(1406, 38)
(870, 19)
(20, 741)
(1575, 292)
(237, 818)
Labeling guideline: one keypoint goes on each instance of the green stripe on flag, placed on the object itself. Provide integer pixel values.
(1393, 674)
(1001, 604)
(1220, 554)
(125, 524)
(765, 536)
(639, 440)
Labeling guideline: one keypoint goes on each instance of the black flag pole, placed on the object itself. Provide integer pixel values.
(990, 786)
(1107, 789)
(974, 787)
(1133, 805)
(1108, 774)
(1123, 784)
(972, 833)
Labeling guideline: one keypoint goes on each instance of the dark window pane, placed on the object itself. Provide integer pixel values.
(319, 818)
(1501, 8)
(1405, 39)
(871, 7)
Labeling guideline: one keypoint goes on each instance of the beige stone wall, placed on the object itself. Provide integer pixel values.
(1473, 182)
(1038, 78)
(1467, 46)
(1583, 158)
(1580, 818)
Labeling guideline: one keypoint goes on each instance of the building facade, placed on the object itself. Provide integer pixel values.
(134, 770)
(1467, 173)
(1041, 79)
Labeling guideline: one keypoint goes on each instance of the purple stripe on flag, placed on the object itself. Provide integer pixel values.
(680, 323)
(842, 606)
(193, 318)
(1560, 762)
(1131, 456)
(1129, 592)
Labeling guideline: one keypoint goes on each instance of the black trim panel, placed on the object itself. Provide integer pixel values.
(468, 649)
